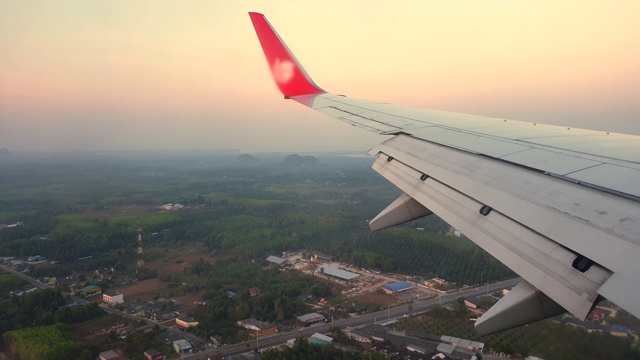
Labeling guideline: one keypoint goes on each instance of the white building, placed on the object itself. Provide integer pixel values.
(112, 298)
(182, 346)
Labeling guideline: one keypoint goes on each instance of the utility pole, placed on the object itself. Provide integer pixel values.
(140, 262)
(258, 341)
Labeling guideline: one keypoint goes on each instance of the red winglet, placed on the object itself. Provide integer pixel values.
(287, 72)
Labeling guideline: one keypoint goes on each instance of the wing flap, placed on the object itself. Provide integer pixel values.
(576, 217)
(522, 305)
(558, 194)
(539, 260)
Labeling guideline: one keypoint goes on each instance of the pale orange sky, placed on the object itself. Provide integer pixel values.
(131, 75)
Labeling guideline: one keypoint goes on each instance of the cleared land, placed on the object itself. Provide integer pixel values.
(375, 298)
(141, 288)
(174, 261)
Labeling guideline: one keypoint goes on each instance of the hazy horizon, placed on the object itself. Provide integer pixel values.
(169, 76)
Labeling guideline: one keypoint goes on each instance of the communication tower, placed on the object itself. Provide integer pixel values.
(140, 262)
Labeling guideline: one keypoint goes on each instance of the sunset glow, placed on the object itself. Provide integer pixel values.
(122, 75)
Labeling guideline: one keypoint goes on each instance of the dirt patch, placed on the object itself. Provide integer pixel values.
(173, 261)
(141, 288)
(190, 301)
(129, 210)
(93, 331)
(375, 298)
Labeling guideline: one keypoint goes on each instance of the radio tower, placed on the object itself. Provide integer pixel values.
(140, 262)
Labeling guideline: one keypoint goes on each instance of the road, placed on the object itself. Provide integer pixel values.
(109, 310)
(24, 277)
(419, 306)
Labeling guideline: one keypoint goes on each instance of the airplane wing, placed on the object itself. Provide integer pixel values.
(559, 206)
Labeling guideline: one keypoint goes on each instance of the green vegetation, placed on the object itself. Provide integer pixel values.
(278, 299)
(79, 207)
(546, 339)
(8, 283)
(302, 349)
(90, 208)
(42, 308)
(44, 343)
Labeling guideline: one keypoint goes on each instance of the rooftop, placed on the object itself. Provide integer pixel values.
(182, 344)
(262, 325)
(187, 319)
(109, 354)
(311, 316)
(398, 286)
(342, 274)
(152, 352)
(275, 259)
(322, 337)
(90, 288)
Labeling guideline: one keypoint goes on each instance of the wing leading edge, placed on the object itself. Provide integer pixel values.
(559, 206)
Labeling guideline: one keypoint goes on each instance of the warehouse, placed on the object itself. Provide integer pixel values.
(397, 287)
(335, 274)
(311, 318)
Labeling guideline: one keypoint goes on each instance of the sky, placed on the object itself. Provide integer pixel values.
(190, 75)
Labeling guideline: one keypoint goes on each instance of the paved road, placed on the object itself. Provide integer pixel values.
(24, 277)
(149, 323)
(419, 306)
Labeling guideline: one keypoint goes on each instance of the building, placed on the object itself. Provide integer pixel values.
(277, 260)
(371, 333)
(185, 322)
(335, 274)
(91, 290)
(474, 346)
(254, 291)
(416, 348)
(261, 328)
(18, 265)
(323, 258)
(109, 355)
(596, 315)
(311, 318)
(112, 298)
(433, 283)
(216, 340)
(397, 287)
(182, 346)
(153, 354)
(617, 330)
(472, 303)
(320, 339)
(368, 334)
(251, 355)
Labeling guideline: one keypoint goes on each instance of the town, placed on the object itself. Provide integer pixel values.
(219, 257)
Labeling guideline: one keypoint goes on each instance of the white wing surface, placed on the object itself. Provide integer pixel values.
(559, 206)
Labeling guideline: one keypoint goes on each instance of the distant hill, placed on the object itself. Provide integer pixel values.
(296, 160)
(5, 152)
(247, 158)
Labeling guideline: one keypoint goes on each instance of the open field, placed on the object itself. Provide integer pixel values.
(142, 289)
(175, 260)
(376, 298)
(547, 339)
(93, 331)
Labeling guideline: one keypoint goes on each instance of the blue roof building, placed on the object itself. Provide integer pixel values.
(397, 287)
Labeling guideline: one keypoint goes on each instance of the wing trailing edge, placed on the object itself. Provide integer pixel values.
(558, 206)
